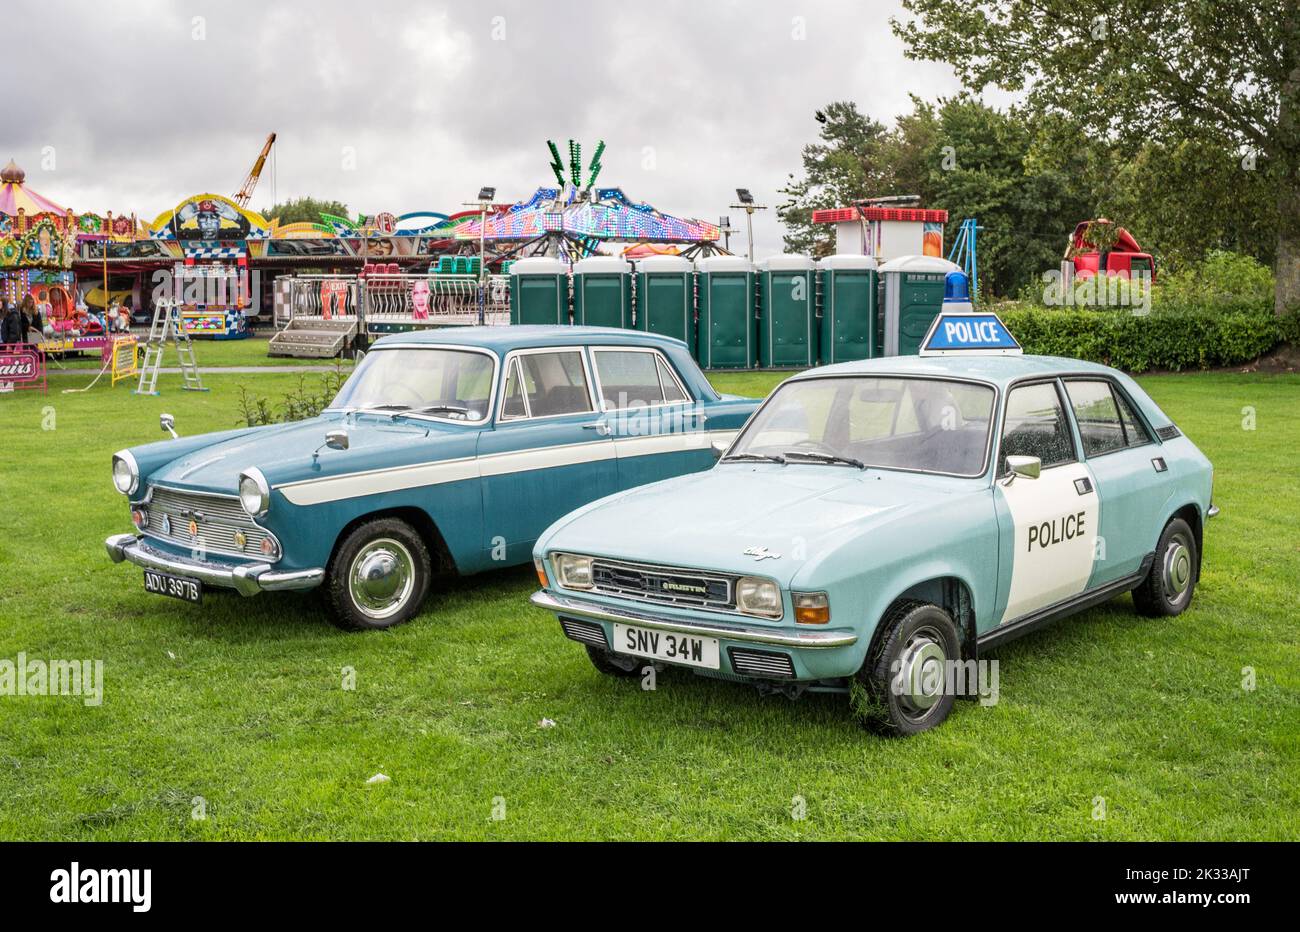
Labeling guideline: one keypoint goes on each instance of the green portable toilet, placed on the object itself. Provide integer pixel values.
(539, 291)
(727, 335)
(602, 292)
(913, 297)
(847, 327)
(665, 297)
(787, 311)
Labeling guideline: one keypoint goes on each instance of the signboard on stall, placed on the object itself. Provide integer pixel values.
(21, 366)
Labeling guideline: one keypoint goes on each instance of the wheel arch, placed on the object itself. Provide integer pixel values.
(443, 561)
(1191, 513)
(951, 593)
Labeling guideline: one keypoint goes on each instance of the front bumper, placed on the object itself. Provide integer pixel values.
(562, 605)
(244, 578)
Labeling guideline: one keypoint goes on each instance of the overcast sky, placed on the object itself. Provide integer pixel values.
(406, 106)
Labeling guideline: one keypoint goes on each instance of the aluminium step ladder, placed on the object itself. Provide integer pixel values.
(167, 324)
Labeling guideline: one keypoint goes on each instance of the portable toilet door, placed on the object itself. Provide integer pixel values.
(787, 295)
(602, 292)
(665, 298)
(914, 288)
(727, 336)
(848, 324)
(539, 291)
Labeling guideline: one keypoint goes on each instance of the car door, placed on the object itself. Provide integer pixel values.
(549, 452)
(658, 431)
(1046, 525)
(1127, 468)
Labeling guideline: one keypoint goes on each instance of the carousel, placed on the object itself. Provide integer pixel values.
(37, 246)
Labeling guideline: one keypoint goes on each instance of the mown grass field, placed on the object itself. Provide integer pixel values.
(240, 702)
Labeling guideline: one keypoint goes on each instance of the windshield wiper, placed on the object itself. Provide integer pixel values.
(765, 457)
(384, 406)
(826, 458)
(428, 409)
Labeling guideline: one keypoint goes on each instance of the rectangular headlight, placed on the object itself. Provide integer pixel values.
(573, 570)
(758, 596)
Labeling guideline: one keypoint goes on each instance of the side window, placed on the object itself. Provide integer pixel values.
(1097, 417)
(554, 383)
(512, 401)
(634, 379)
(1135, 433)
(1035, 425)
(628, 380)
(672, 391)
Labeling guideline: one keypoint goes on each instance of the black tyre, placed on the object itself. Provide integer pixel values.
(378, 576)
(612, 664)
(902, 687)
(1168, 587)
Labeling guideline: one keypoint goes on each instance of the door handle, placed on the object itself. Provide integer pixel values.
(599, 427)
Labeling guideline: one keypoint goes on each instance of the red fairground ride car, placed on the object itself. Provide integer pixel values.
(1123, 256)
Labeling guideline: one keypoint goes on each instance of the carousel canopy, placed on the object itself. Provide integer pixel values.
(14, 195)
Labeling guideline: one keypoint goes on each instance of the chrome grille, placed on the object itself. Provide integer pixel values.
(665, 585)
(587, 632)
(761, 663)
(218, 518)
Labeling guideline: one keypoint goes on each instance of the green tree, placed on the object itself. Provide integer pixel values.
(1141, 71)
(848, 163)
(304, 210)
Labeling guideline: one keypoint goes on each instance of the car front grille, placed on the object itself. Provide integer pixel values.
(664, 585)
(761, 663)
(216, 519)
(588, 632)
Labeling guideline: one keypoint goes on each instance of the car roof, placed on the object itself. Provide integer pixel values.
(997, 370)
(502, 340)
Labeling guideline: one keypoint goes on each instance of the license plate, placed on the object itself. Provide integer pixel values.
(666, 645)
(177, 587)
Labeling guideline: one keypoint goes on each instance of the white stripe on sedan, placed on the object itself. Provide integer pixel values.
(398, 478)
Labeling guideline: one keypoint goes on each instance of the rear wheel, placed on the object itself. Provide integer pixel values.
(1171, 581)
(378, 576)
(902, 687)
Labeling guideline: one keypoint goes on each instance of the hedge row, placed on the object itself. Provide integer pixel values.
(1154, 341)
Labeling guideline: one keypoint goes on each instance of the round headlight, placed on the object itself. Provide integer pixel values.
(126, 474)
(254, 493)
(758, 596)
(574, 570)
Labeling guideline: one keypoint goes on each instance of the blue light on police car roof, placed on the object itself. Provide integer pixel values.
(956, 288)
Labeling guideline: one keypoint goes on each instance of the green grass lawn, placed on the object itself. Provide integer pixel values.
(209, 354)
(240, 702)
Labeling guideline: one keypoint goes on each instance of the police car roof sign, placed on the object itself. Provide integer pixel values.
(969, 334)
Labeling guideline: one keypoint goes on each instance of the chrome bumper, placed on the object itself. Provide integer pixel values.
(246, 579)
(1213, 512)
(575, 608)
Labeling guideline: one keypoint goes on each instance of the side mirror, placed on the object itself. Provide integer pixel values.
(718, 447)
(168, 424)
(1028, 466)
(337, 440)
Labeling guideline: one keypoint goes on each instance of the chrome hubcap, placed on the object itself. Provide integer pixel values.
(921, 672)
(382, 578)
(1177, 568)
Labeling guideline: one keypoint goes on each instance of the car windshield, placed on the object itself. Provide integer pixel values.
(932, 425)
(443, 383)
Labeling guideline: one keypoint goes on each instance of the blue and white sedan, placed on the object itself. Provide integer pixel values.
(446, 452)
(877, 524)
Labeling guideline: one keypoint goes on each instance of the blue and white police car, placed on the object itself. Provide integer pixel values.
(877, 522)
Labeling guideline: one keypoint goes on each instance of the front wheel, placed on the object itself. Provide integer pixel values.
(1168, 587)
(378, 576)
(902, 688)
